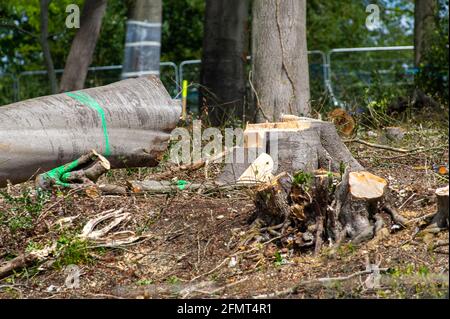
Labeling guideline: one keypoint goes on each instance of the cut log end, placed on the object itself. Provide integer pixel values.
(366, 186)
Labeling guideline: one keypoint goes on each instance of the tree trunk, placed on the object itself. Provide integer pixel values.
(280, 59)
(83, 46)
(129, 122)
(46, 47)
(143, 39)
(424, 24)
(225, 49)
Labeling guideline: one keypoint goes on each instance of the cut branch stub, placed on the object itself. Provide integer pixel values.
(84, 171)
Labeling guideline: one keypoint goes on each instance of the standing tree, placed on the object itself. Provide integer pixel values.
(280, 60)
(143, 39)
(225, 49)
(83, 45)
(424, 26)
(46, 47)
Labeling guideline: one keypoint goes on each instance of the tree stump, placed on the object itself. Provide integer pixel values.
(321, 192)
(440, 220)
(319, 206)
(296, 143)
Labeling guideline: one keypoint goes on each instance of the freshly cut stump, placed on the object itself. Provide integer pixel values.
(440, 220)
(320, 193)
(296, 143)
(307, 209)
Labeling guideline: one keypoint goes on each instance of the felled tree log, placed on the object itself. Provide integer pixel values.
(129, 122)
(296, 143)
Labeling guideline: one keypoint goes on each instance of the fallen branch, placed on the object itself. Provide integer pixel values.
(25, 260)
(414, 152)
(100, 237)
(384, 147)
(294, 289)
(396, 217)
(164, 187)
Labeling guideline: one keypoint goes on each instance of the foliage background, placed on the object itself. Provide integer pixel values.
(330, 24)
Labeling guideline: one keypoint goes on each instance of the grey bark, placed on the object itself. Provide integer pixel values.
(46, 46)
(280, 58)
(225, 50)
(83, 46)
(43, 133)
(424, 24)
(143, 39)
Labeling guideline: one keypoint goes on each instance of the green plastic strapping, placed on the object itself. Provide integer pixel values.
(58, 174)
(181, 184)
(87, 100)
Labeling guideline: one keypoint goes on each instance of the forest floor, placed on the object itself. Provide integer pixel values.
(198, 246)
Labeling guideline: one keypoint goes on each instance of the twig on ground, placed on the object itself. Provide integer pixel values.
(294, 289)
(414, 152)
(384, 147)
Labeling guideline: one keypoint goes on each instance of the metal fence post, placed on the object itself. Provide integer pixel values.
(184, 63)
(177, 75)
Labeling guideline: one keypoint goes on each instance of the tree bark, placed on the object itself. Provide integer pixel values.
(46, 46)
(280, 59)
(225, 49)
(129, 122)
(83, 46)
(424, 24)
(143, 39)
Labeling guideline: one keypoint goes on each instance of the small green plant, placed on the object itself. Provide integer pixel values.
(72, 250)
(173, 280)
(31, 246)
(278, 259)
(341, 169)
(423, 270)
(302, 179)
(144, 282)
(23, 209)
(346, 249)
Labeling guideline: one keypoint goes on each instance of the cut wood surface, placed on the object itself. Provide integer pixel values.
(295, 143)
(259, 171)
(365, 185)
(129, 122)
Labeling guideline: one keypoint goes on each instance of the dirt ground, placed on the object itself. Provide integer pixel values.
(201, 245)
